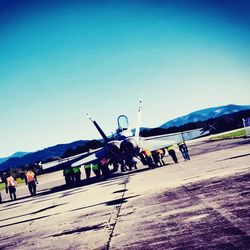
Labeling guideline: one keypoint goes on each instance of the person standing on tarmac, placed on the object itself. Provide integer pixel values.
(97, 170)
(148, 158)
(31, 181)
(158, 157)
(77, 175)
(171, 152)
(67, 176)
(161, 153)
(10, 186)
(87, 169)
(184, 150)
(104, 164)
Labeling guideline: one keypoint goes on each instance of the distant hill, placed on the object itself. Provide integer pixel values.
(17, 154)
(41, 155)
(205, 114)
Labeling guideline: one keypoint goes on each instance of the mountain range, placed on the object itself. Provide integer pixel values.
(205, 114)
(22, 158)
(40, 155)
(17, 154)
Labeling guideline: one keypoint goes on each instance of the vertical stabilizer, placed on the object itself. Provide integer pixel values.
(138, 122)
(105, 138)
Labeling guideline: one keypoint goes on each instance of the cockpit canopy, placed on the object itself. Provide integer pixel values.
(122, 122)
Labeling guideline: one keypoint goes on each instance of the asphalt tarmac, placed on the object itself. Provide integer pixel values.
(199, 204)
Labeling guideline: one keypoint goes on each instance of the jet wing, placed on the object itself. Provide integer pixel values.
(161, 141)
(97, 155)
(66, 161)
(155, 144)
(86, 160)
(51, 164)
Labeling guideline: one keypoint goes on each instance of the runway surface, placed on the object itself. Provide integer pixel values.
(199, 204)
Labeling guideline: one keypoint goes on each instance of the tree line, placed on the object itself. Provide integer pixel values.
(219, 124)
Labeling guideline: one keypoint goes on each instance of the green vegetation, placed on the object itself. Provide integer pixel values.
(2, 185)
(18, 181)
(230, 135)
(93, 144)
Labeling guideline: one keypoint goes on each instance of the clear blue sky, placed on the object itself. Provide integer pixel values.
(61, 59)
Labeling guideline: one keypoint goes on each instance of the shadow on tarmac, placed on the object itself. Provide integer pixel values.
(79, 230)
(120, 191)
(35, 212)
(107, 203)
(114, 177)
(234, 157)
(29, 220)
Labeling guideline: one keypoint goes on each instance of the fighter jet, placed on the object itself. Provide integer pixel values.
(124, 147)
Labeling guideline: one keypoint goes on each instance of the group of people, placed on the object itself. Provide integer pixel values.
(72, 176)
(100, 168)
(183, 149)
(155, 158)
(102, 171)
(30, 181)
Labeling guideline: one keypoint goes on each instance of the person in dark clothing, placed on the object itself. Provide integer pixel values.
(156, 159)
(87, 169)
(143, 158)
(67, 173)
(171, 152)
(104, 165)
(161, 153)
(96, 167)
(115, 166)
(30, 180)
(148, 158)
(10, 186)
(184, 150)
(131, 163)
(76, 175)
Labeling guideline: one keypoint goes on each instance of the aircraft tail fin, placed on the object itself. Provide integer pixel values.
(105, 138)
(138, 122)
